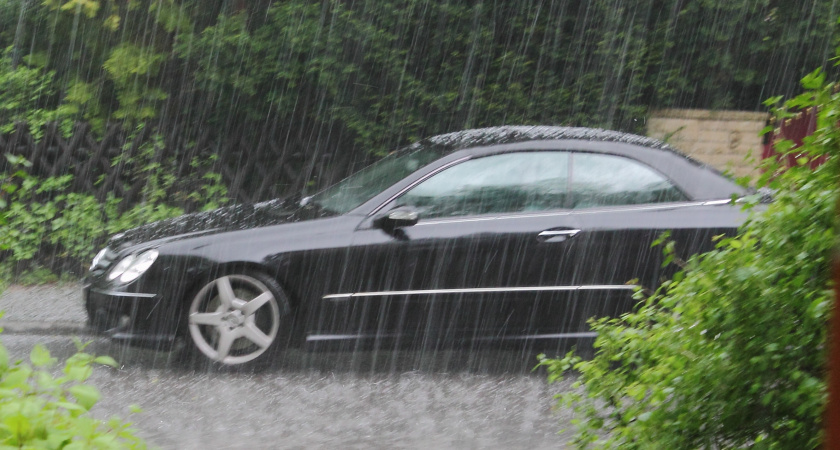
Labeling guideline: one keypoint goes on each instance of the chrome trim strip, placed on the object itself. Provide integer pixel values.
(524, 337)
(717, 202)
(334, 337)
(605, 287)
(123, 294)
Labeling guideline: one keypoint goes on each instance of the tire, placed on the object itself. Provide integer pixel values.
(237, 321)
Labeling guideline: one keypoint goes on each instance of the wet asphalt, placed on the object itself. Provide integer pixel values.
(354, 400)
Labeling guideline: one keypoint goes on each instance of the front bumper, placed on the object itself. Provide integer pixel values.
(134, 318)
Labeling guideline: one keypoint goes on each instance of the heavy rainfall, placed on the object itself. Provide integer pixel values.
(301, 224)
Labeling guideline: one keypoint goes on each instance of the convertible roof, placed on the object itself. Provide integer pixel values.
(520, 133)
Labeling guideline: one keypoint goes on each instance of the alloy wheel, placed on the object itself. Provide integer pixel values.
(234, 319)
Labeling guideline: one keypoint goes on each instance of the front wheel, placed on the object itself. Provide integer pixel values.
(235, 320)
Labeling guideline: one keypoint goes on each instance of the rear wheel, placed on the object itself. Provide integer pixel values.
(237, 320)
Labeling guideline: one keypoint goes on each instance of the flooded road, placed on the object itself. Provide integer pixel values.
(359, 400)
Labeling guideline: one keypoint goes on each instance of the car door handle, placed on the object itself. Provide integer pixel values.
(556, 235)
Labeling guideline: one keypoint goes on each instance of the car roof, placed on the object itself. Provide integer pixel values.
(481, 137)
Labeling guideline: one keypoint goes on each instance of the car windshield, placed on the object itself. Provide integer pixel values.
(366, 183)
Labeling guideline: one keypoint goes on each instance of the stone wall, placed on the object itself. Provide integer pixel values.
(726, 140)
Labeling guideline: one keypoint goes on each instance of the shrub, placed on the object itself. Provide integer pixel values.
(730, 352)
(41, 411)
(42, 223)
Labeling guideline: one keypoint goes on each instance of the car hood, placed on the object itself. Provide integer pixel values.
(230, 218)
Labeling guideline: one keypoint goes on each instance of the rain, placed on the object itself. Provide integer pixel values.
(125, 123)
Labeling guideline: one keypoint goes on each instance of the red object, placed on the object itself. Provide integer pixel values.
(832, 414)
(793, 129)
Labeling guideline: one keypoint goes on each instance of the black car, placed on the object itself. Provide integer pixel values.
(499, 235)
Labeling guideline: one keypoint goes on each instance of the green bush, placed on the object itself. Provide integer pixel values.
(731, 352)
(364, 69)
(41, 223)
(41, 411)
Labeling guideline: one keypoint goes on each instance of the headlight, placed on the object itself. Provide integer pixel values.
(98, 258)
(132, 266)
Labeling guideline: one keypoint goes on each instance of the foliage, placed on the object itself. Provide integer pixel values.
(373, 74)
(730, 352)
(37, 275)
(42, 223)
(39, 410)
(127, 64)
(421, 68)
(715, 54)
(23, 94)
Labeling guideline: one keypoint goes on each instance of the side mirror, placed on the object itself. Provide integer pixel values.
(398, 218)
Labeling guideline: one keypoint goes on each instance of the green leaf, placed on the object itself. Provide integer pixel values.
(46, 381)
(814, 80)
(773, 100)
(78, 372)
(70, 406)
(4, 359)
(767, 398)
(40, 356)
(106, 361)
(86, 395)
(767, 129)
(16, 377)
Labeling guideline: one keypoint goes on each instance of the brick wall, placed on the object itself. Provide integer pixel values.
(722, 139)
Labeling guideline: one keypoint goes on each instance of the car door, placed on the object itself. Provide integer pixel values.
(493, 232)
(621, 207)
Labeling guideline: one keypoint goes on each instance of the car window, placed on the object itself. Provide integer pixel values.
(606, 180)
(506, 183)
(366, 183)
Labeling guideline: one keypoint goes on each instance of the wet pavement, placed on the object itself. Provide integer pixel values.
(445, 399)
(46, 307)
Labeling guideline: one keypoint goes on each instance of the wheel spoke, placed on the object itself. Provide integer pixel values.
(226, 294)
(214, 318)
(226, 338)
(252, 306)
(252, 333)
